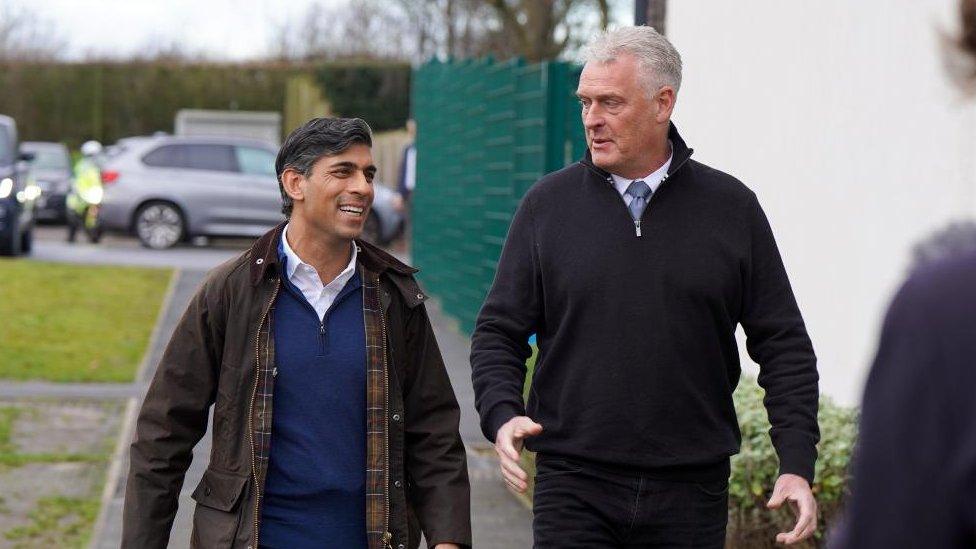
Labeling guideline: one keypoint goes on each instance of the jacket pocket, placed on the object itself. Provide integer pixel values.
(218, 513)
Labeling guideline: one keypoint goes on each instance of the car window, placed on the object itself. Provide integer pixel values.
(196, 156)
(256, 161)
(6, 145)
(49, 159)
(167, 156)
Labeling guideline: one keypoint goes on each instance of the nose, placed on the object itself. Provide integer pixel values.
(360, 185)
(592, 117)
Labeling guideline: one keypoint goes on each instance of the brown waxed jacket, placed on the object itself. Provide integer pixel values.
(222, 354)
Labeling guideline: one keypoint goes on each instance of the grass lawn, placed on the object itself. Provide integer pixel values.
(76, 323)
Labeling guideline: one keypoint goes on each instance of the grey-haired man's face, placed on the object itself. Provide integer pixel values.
(619, 115)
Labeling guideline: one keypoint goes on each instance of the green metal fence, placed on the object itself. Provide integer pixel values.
(486, 131)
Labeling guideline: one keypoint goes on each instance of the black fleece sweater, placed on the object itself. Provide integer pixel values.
(638, 358)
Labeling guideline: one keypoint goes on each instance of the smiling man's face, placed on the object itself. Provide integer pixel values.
(338, 193)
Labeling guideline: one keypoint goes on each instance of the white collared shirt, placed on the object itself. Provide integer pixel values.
(653, 180)
(306, 278)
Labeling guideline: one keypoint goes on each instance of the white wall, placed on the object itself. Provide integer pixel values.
(839, 115)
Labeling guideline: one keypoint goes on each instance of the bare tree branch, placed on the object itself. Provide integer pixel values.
(24, 36)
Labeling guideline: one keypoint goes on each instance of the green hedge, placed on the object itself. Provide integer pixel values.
(106, 101)
(378, 93)
(73, 102)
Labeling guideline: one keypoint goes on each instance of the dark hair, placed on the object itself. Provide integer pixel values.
(314, 139)
(967, 11)
(956, 239)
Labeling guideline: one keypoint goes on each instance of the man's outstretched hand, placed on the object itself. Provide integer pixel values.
(796, 490)
(508, 444)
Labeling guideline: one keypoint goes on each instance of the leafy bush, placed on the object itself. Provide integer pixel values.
(755, 468)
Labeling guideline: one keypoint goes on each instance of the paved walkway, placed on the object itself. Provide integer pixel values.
(500, 521)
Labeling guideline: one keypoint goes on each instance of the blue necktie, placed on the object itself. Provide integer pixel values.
(640, 191)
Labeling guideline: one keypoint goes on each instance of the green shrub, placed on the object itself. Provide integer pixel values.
(755, 468)
(73, 102)
(379, 93)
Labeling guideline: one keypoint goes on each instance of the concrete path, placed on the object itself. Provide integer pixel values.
(49, 245)
(500, 520)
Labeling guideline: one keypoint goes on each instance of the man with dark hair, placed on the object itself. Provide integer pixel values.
(334, 422)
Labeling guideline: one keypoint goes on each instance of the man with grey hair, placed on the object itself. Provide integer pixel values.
(633, 267)
(334, 421)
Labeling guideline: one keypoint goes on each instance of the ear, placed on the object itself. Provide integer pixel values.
(294, 184)
(664, 99)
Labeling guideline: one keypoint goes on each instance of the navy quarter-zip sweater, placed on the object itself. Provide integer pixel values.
(315, 491)
(636, 335)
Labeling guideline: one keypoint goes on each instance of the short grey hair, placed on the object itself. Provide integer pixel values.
(659, 63)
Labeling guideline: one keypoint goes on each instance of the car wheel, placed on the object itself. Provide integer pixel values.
(159, 225)
(371, 229)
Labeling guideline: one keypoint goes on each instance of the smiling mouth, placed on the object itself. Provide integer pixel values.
(352, 210)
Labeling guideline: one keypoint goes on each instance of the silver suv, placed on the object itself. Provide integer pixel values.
(166, 189)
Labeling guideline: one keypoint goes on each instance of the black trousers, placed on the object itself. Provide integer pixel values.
(581, 505)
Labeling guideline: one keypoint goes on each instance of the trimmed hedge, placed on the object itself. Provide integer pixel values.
(106, 101)
(377, 93)
(74, 102)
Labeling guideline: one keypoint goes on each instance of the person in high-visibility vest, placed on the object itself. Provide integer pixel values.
(85, 194)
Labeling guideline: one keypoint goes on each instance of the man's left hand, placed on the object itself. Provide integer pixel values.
(796, 490)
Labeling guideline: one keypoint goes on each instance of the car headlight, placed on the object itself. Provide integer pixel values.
(6, 187)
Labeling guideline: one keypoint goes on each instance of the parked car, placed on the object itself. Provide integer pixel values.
(51, 171)
(166, 189)
(17, 194)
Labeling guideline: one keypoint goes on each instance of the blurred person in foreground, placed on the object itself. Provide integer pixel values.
(633, 267)
(334, 422)
(914, 473)
(85, 194)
